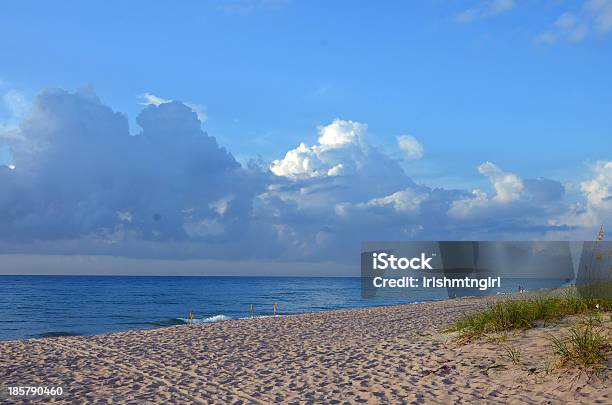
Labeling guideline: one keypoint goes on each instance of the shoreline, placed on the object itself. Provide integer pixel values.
(185, 323)
(86, 306)
(384, 354)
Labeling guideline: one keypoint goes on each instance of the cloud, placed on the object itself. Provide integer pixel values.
(152, 99)
(80, 178)
(508, 187)
(339, 150)
(16, 103)
(299, 208)
(15, 106)
(413, 150)
(342, 165)
(311, 184)
(593, 18)
(200, 110)
(541, 190)
(485, 9)
(566, 21)
(308, 204)
(407, 201)
(546, 38)
(601, 11)
(82, 184)
(598, 189)
(514, 199)
(596, 209)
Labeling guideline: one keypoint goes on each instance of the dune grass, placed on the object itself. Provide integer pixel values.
(523, 313)
(514, 354)
(585, 347)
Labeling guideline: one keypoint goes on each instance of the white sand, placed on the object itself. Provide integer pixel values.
(378, 355)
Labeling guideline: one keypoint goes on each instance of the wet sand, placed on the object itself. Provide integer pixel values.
(393, 354)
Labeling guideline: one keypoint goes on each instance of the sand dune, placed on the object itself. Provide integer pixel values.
(377, 355)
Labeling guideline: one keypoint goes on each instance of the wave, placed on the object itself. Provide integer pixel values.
(211, 319)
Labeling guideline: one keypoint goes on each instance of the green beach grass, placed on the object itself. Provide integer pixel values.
(587, 345)
(524, 312)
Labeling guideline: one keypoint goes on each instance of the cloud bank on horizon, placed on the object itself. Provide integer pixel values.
(80, 183)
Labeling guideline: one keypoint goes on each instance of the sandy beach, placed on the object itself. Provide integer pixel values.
(395, 354)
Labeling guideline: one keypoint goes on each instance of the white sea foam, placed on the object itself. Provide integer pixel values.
(211, 319)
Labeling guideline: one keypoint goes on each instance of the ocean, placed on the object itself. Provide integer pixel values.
(46, 306)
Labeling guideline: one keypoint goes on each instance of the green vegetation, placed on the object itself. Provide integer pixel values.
(524, 312)
(513, 354)
(585, 347)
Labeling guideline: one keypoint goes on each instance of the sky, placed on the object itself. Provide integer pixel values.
(289, 131)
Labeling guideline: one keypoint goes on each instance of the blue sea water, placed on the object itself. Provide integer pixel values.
(45, 306)
(41, 306)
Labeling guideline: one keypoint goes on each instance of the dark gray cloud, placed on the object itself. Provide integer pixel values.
(544, 190)
(81, 175)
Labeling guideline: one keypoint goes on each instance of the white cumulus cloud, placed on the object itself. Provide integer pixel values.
(152, 99)
(596, 209)
(340, 147)
(405, 201)
(508, 188)
(412, 148)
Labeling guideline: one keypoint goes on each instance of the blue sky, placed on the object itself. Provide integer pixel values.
(270, 72)
(525, 85)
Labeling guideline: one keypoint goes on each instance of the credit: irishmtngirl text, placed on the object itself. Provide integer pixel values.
(385, 261)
